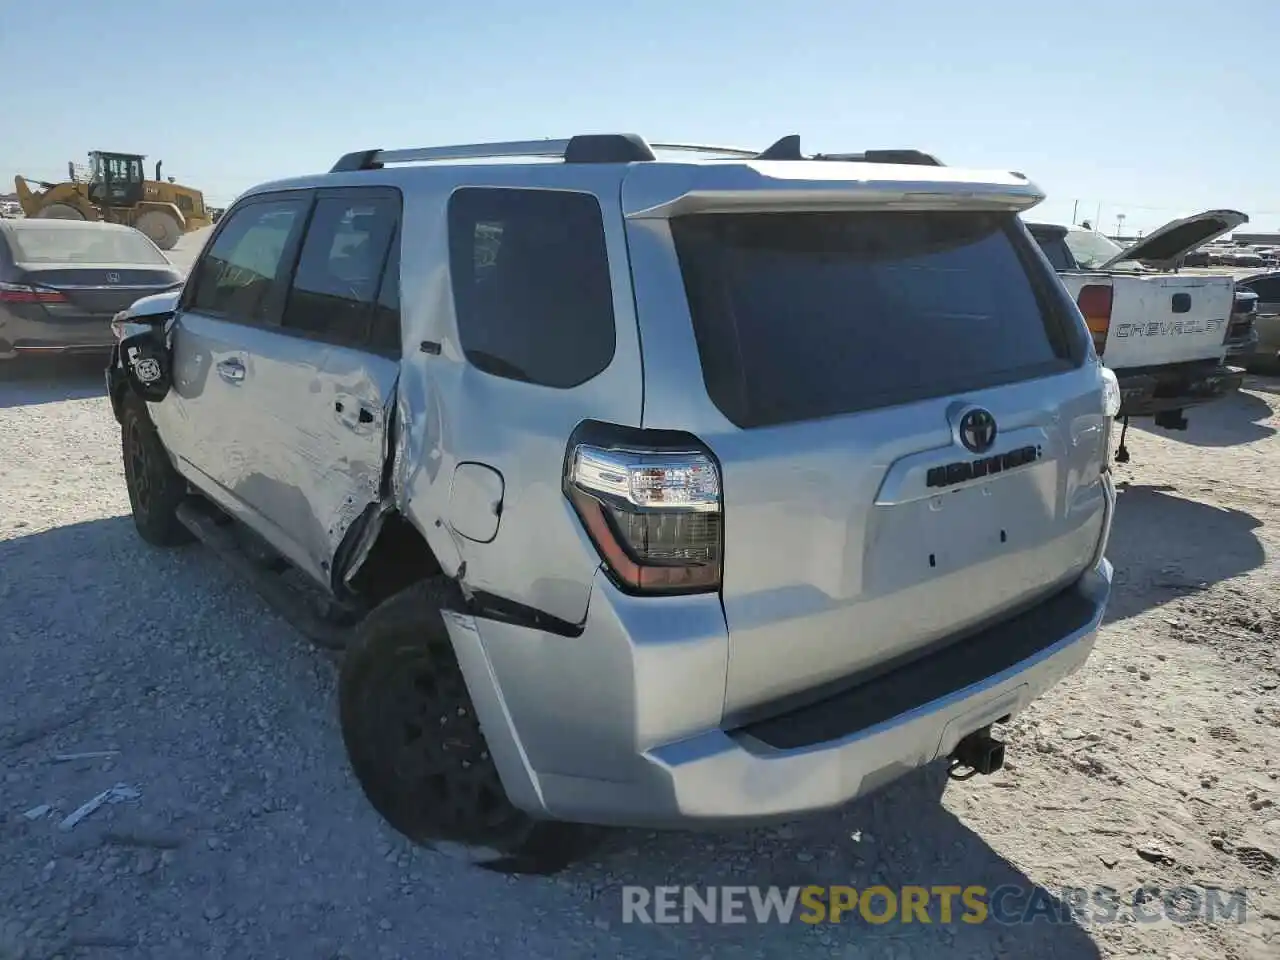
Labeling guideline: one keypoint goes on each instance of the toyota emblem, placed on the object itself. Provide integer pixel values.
(977, 430)
(113, 277)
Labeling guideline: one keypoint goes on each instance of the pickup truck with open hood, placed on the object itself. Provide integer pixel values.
(1166, 335)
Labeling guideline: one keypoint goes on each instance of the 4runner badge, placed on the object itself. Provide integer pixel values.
(976, 430)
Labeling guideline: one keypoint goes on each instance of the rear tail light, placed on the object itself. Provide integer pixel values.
(1094, 301)
(654, 515)
(1111, 400)
(1110, 393)
(22, 293)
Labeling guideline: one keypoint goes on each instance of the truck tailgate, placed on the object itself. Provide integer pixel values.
(1167, 319)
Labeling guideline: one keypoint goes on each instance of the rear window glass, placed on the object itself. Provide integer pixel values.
(1091, 249)
(43, 243)
(805, 315)
(1055, 249)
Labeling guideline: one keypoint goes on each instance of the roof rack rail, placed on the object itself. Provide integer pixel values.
(609, 148)
(707, 148)
(910, 157)
(584, 148)
(788, 148)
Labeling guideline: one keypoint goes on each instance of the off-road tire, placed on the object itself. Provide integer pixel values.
(60, 211)
(155, 487)
(160, 227)
(417, 750)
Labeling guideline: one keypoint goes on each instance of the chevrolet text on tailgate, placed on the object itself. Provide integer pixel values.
(693, 491)
(1166, 336)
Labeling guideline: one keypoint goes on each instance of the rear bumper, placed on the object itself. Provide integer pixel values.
(581, 727)
(61, 335)
(1146, 391)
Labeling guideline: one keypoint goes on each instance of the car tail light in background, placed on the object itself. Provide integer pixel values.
(22, 293)
(654, 515)
(1094, 301)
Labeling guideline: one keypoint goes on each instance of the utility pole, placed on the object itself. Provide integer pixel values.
(1075, 208)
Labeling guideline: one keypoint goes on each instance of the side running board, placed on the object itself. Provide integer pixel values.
(217, 533)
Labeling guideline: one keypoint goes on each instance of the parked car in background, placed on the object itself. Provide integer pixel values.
(1266, 321)
(1165, 335)
(61, 282)
(1242, 336)
(602, 570)
(1248, 258)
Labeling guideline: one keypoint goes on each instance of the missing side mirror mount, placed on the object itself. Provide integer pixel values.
(146, 356)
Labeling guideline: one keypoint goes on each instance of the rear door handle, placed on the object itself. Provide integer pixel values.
(231, 370)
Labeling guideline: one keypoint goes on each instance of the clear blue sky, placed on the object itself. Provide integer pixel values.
(1150, 109)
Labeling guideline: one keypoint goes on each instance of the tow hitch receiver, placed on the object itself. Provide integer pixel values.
(979, 752)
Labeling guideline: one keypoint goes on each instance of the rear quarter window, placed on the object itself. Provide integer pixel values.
(531, 284)
(799, 316)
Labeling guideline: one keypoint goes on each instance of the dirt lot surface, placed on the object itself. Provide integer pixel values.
(237, 832)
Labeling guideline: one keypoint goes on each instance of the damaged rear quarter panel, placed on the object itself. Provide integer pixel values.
(452, 412)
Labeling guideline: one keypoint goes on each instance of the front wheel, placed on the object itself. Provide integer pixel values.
(417, 749)
(155, 487)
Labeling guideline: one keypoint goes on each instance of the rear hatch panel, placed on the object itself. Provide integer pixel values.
(839, 558)
(828, 364)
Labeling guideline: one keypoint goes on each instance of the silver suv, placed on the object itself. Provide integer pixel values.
(695, 491)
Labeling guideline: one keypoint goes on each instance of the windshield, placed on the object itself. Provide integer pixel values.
(1091, 249)
(40, 243)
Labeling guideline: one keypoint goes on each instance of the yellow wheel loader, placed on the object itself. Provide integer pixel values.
(114, 188)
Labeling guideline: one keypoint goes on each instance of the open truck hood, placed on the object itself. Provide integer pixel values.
(1178, 237)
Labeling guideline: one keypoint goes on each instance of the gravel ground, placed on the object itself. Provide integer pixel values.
(239, 833)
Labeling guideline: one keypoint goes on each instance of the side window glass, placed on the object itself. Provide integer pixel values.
(1268, 290)
(235, 275)
(386, 315)
(531, 284)
(336, 284)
